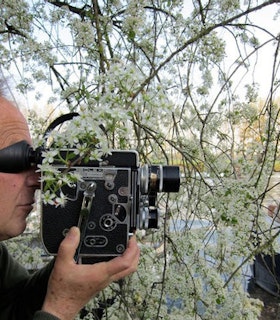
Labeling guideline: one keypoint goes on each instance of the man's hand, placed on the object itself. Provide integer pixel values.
(72, 285)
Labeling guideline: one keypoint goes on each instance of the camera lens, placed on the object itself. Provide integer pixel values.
(153, 218)
(157, 178)
(171, 179)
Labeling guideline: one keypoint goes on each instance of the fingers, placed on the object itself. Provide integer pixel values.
(72, 285)
(69, 245)
(114, 269)
(126, 264)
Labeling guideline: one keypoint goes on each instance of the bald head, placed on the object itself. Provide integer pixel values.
(13, 126)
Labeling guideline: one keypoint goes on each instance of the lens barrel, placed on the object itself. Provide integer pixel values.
(158, 178)
(171, 179)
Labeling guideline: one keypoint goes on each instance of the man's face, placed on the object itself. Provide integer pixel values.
(16, 190)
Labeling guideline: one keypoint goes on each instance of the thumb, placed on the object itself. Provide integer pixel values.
(69, 245)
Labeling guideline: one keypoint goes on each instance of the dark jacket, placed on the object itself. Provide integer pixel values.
(22, 294)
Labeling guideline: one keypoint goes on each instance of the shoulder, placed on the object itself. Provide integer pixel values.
(3, 252)
(41, 315)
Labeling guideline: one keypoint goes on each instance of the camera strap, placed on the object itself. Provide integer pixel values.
(58, 121)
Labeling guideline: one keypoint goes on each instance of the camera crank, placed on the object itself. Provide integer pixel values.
(89, 194)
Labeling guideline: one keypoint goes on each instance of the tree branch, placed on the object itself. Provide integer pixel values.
(201, 34)
(12, 30)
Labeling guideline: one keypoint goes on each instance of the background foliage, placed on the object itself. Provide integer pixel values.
(174, 80)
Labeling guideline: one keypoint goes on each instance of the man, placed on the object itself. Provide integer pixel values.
(63, 287)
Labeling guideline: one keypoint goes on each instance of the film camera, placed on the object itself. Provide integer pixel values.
(115, 197)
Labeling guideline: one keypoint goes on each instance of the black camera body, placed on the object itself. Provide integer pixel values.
(115, 197)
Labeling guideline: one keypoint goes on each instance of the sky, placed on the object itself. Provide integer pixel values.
(260, 72)
(263, 69)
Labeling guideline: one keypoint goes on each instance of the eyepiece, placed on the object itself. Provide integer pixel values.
(18, 157)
